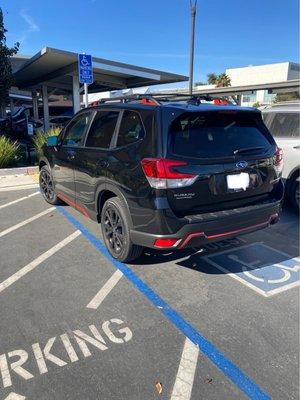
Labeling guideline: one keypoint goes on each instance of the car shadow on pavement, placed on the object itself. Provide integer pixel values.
(194, 258)
(152, 256)
(265, 256)
(189, 258)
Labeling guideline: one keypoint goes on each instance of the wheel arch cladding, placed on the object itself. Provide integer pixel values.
(42, 163)
(107, 193)
(295, 173)
(102, 197)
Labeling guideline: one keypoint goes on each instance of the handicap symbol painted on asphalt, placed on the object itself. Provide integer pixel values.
(260, 267)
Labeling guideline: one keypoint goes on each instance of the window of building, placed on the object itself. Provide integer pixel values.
(102, 129)
(249, 98)
(269, 97)
(131, 129)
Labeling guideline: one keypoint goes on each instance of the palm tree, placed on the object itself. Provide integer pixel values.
(212, 78)
(221, 80)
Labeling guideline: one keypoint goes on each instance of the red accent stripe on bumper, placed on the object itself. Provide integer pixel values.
(189, 237)
(224, 234)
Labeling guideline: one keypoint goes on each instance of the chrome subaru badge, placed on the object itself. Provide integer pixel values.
(241, 164)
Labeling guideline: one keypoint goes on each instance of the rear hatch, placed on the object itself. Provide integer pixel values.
(230, 152)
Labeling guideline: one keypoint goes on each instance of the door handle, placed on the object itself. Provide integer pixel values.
(71, 154)
(296, 147)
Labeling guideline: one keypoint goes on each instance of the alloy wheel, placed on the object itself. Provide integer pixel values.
(114, 230)
(46, 185)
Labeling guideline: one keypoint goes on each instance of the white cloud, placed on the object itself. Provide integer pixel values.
(32, 26)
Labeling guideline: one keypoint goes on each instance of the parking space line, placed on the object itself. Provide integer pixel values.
(281, 252)
(105, 290)
(263, 284)
(18, 200)
(15, 188)
(182, 389)
(252, 286)
(229, 369)
(14, 396)
(33, 264)
(27, 221)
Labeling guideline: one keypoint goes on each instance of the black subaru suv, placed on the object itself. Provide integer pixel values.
(164, 172)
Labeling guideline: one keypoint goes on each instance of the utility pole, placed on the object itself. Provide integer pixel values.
(193, 7)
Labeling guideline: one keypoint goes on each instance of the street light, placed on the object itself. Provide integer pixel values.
(193, 7)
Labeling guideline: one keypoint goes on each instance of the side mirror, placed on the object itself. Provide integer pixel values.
(52, 141)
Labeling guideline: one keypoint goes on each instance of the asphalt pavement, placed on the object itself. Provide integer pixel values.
(215, 323)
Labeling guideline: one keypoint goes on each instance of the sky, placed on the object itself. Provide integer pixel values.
(156, 33)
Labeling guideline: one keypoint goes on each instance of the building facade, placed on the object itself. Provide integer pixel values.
(261, 74)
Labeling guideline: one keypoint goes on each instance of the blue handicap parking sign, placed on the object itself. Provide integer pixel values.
(85, 68)
(260, 267)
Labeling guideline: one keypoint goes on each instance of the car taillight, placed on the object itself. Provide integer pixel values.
(278, 161)
(161, 175)
(166, 243)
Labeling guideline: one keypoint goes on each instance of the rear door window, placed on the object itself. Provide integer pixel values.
(102, 129)
(217, 134)
(131, 128)
(283, 124)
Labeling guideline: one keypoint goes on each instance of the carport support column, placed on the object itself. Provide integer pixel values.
(11, 106)
(45, 106)
(35, 105)
(76, 95)
(2, 111)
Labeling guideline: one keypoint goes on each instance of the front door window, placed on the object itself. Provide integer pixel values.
(75, 131)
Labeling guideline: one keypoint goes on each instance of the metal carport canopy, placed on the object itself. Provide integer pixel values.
(55, 68)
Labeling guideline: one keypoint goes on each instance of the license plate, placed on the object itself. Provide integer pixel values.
(238, 181)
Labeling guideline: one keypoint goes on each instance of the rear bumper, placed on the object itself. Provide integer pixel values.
(227, 224)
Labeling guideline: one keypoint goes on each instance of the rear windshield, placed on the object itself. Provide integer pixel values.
(218, 134)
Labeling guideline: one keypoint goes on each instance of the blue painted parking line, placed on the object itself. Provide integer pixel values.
(230, 370)
(260, 267)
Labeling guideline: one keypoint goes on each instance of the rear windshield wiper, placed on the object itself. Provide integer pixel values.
(247, 149)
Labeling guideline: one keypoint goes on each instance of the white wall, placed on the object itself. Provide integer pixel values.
(258, 74)
(204, 87)
(269, 73)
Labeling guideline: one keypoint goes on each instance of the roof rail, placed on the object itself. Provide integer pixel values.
(131, 97)
(190, 98)
(155, 99)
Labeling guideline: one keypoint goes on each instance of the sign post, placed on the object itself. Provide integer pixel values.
(86, 95)
(85, 68)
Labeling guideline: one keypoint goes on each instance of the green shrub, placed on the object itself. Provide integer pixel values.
(9, 152)
(256, 104)
(40, 138)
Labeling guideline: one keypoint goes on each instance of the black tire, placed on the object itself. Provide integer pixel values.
(115, 225)
(47, 186)
(294, 193)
